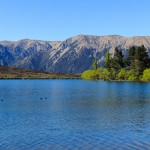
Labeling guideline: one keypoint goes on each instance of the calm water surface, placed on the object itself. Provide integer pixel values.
(74, 114)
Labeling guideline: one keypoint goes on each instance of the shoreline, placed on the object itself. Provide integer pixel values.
(26, 74)
(40, 79)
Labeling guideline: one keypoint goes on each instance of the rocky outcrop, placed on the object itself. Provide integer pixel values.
(71, 56)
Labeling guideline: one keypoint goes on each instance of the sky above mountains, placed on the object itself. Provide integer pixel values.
(59, 19)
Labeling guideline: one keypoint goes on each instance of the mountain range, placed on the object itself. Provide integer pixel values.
(72, 56)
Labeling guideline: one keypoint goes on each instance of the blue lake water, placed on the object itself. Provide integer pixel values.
(74, 114)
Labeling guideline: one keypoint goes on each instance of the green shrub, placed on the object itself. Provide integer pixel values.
(122, 74)
(90, 75)
(131, 75)
(146, 75)
(104, 74)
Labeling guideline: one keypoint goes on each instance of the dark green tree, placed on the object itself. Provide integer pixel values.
(148, 63)
(117, 61)
(134, 68)
(141, 60)
(129, 61)
(94, 65)
(108, 60)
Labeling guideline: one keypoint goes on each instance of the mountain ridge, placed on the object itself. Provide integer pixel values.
(74, 55)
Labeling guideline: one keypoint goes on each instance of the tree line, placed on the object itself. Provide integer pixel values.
(133, 67)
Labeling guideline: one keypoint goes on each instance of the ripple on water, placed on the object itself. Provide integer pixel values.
(74, 114)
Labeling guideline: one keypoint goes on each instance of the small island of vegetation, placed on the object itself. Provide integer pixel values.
(134, 67)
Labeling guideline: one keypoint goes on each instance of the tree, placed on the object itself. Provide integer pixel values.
(94, 65)
(148, 63)
(108, 60)
(141, 60)
(129, 61)
(113, 73)
(134, 68)
(117, 60)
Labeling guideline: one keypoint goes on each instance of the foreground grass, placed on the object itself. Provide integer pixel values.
(17, 73)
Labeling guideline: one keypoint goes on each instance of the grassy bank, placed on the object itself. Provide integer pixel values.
(17, 73)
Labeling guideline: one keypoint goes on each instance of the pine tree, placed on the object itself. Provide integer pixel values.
(94, 66)
(108, 60)
(117, 60)
(129, 62)
(141, 60)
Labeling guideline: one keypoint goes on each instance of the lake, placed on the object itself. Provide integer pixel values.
(74, 114)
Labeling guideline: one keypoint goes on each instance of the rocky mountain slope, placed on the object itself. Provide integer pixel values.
(73, 55)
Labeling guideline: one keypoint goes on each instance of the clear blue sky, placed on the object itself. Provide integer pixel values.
(61, 19)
